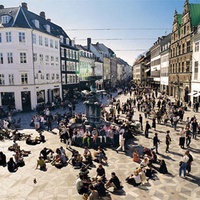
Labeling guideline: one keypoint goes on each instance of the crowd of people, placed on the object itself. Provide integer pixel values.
(120, 126)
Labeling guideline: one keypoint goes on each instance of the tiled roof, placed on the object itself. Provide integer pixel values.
(194, 14)
(21, 17)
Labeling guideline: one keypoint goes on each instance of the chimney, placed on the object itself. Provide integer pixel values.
(49, 20)
(42, 14)
(88, 43)
(24, 5)
(1, 6)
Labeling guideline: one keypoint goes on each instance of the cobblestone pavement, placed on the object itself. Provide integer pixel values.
(58, 184)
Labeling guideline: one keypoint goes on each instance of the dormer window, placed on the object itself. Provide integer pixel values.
(5, 19)
(36, 23)
(48, 28)
(61, 39)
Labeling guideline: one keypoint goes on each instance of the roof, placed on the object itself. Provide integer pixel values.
(23, 18)
(194, 14)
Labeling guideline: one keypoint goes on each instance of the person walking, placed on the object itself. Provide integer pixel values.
(140, 120)
(182, 134)
(154, 123)
(121, 142)
(194, 128)
(188, 137)
(168, 141)
(68, 138)
(183, 164)
(155, 142)
(147, 127)
(189, 163)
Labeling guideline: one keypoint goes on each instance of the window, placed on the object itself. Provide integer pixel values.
(2, 79)
(36, 23)
(183, 48)
(187, 66)
(52, 58)
(196, 46)
(11, 79)
(10, 58)
(47, 77)
(5, 19)
(62, 52)
(52, 77)
(61, 39)
(24, 78)
(57, 77)
(47, 58)
(40, 40)
(34, 39)
(1, 58)
(188, 46)
(0, 38)
(46, 42)
(41, 57)
(48, 28)
(51, 43)
(56, 44)
(63, 65)
(23, 58)
(196, 65)
(35, 57)
(8, 37)
(22, 37)
(182, 66)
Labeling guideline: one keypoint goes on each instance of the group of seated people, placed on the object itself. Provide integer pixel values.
(96, 187)
(58, 158)
(18, 156)
(146, 168)
(36, 140)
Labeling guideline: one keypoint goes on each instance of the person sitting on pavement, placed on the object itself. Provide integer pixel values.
(163, 167)
(31, 141)
(58, 159)
(19, 160)
(113, 182)
(101, 174)
(100, 187)
(12, 166)
(46, 154)
(136, 157)
(14, 146)
(87, 156)
(2, 159)
(81, 185)
(134, 179)
(94, 195)
(144, 163)
(41, 163)
(77, 161)
(100, 155)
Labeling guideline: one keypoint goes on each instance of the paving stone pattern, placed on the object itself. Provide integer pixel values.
(59, 184)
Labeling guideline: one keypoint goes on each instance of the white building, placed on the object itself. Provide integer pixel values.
(195, 82)
(29, 58)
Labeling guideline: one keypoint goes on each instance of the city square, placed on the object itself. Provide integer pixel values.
(99, 100)
(60, 183)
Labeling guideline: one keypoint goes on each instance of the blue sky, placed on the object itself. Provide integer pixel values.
(128, 27)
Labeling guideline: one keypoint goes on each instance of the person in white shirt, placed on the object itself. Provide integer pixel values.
(183, 164)
(121, 142)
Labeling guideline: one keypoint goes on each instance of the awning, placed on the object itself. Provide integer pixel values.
(192, 93)
(196, 95)
(147, 70)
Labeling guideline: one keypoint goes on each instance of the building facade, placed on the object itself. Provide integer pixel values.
(181, 50)
(30, 59)
(164, 63)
